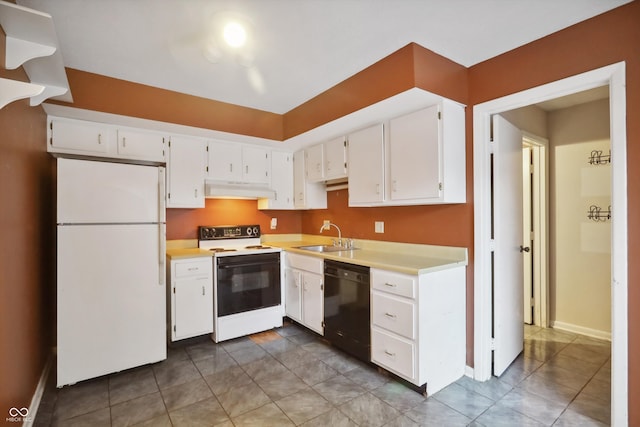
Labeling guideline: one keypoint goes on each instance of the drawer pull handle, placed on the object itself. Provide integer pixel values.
(388, 353)
(192, 268)
(392, 316)
(391, 285)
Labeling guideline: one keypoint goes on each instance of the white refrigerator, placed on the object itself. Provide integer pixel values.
(111, 312)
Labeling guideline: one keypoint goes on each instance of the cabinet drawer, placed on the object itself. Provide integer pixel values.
(393, 353)
(395, 283)
(306, 263)
(189, 268)
(393, 314)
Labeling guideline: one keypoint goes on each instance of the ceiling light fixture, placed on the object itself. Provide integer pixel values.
(234, 34)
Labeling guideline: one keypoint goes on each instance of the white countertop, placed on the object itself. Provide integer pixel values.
(405, 258)
(408, 258)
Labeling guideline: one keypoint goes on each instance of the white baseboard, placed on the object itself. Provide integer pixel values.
(37, 395)
(576, 329)
(468, 371)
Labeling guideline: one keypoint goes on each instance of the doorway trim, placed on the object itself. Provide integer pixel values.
(540, 219)
(614, 76)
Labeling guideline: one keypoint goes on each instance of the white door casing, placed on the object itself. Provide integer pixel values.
(507, 235)
(613, 76)
(527, 256)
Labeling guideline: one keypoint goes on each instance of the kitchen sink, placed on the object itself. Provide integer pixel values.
(324, 248)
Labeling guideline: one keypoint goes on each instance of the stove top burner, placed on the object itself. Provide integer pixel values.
(216, 250)
(257, 247)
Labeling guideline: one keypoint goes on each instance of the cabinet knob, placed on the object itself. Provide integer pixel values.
(99, 138)
(124, 142)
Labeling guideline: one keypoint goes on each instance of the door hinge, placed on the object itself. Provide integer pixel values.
(439, 115)
(322, 324)
(492, 344)
(322, 287)
(174, 328)
(492, 245)
(532, 235)
(174, 289)
(345, 143)
(532, 302)
(168, 195)
(169, 142)
(51, 125)
(207, 148)
(440, 186)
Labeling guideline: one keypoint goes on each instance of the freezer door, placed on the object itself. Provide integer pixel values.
(101, 192)
(111, 301)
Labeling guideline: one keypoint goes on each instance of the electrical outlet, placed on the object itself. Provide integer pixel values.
(379, 226)
(325, 224)
(274, 223)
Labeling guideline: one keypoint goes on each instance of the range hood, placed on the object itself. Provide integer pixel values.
(237, 190)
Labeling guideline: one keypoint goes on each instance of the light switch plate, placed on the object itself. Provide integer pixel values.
(274, 223)
(379, 226)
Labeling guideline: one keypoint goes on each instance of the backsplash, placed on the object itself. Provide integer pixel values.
(183, 223)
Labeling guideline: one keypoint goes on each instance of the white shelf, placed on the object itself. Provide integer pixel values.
(32, 43)
(13, 90)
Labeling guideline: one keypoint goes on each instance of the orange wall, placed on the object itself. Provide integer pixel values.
(603, 40)
(27, 248)
(109, 95)
(183, 223)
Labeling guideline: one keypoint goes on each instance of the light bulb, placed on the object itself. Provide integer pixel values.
(234, 34)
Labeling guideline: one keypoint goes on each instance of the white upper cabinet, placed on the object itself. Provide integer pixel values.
(307, 195)
(134, 144)
(79, 137)
(335, 158)
(233, 162)
(366, 166)
(186, 172)
(419, 159)
(256, 164)
(314, 163)
(327, 161)
(91, 139)
(415, 156)
(281, 182)
(225, 161)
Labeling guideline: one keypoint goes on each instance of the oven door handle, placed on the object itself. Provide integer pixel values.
(246, 264)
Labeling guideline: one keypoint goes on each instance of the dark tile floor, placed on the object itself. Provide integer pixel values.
(290, 377)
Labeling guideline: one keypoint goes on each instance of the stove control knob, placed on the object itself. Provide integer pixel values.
(256, 231)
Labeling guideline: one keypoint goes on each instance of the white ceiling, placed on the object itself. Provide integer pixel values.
(298, 48)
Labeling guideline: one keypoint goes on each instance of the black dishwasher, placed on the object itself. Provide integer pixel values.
(346, 308)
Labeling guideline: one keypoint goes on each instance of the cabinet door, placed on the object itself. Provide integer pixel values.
(193, 307)
(415, 152)
(225, 161)
(293, 294)
(313, 302)
(80, 136)
(335, 158)
(141, 145)
(255, 165)
(366, 166)
(185, 173)
(299, 181)
(314, 159)
(281, 182)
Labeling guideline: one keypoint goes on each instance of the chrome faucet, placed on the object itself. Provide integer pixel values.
(327, 226)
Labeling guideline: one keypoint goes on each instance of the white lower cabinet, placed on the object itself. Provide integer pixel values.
(418, 325)
(190, 297)
(304, 291)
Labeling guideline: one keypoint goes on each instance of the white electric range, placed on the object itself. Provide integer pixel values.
(247, 291)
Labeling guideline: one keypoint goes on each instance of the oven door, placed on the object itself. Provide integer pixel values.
(247, 282)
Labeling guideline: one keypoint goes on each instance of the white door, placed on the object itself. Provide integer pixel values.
(527, 229)
(193, 307)
(293, 294)
(507, 268)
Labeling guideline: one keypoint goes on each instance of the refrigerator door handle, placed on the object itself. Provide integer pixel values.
(162, 216)
(162, 229)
